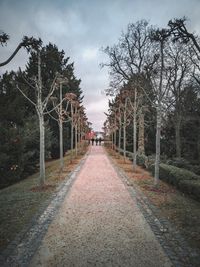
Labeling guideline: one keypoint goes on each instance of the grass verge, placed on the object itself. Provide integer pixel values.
(21, 202)
(179, 209)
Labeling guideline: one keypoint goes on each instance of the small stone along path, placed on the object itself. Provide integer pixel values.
(96, 220)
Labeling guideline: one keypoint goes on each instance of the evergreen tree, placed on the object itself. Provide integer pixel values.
(11, 119)
(19, 134)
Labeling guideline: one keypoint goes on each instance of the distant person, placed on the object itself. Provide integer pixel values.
(92, 141)
(96, 140)
(100, 141)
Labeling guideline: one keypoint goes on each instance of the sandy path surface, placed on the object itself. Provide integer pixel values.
(99, 224)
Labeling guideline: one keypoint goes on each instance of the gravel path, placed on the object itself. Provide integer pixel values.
(99, 224)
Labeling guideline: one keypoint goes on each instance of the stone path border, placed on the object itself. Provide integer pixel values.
(20, 251)
(174, 245)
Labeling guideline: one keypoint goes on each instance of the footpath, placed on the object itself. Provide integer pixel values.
(99, 223)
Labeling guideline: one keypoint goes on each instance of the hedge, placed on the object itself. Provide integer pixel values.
(178, 162)
(183, 163)
(186, 181)
(190, 187)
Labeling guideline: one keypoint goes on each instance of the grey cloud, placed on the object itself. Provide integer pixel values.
(76, 26)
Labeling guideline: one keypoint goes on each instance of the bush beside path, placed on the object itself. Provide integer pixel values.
(172, 214)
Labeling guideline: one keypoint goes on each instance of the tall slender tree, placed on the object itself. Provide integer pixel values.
(161, 87)
(40, 106)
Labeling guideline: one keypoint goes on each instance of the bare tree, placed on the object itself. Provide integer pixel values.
(63, 116)
(61, 113)
(109, 126)
(133, 110)
(72, 98)
(179, 67)
(112, 118)
(118, 104)
(129, 56)
(40, 107)
(180, 32)
(77, 108)
(160, 86)
(128, 61)
(123, 110)
(83, 126)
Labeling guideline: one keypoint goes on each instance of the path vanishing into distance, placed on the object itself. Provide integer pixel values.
(99, 223)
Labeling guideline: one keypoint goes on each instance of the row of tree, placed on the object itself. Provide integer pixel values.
(155, 87)
(41, 111)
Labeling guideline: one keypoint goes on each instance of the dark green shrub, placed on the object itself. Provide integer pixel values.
(11, 161)
(19, 151)
(55, 152)
(129, 155)
(141, 160)
(190, 187)
(174, 175)
(183, 163)
(178, 162)
(151, 168)
(186, 181)
(194, 168)
(150, 161)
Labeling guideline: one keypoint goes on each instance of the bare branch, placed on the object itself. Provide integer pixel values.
(23, 77)
(54, 108)
(52, 89)
(25, 96)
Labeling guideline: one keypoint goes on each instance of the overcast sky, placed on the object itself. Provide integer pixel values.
(81, 28)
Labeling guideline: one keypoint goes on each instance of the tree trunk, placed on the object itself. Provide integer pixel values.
(134, 141)
(157, 160)
(39, 109)
(61, 131)
(141, 149)
(42, 151)
(119, 141)
(76, 137)
(112, 146)
(72, 131)
(79, 135)
(135, 131)
(115, 136)
(61, 145)
(158, 125)
(124, 135)
(76, 132)
(198, 144)
(178, 136)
